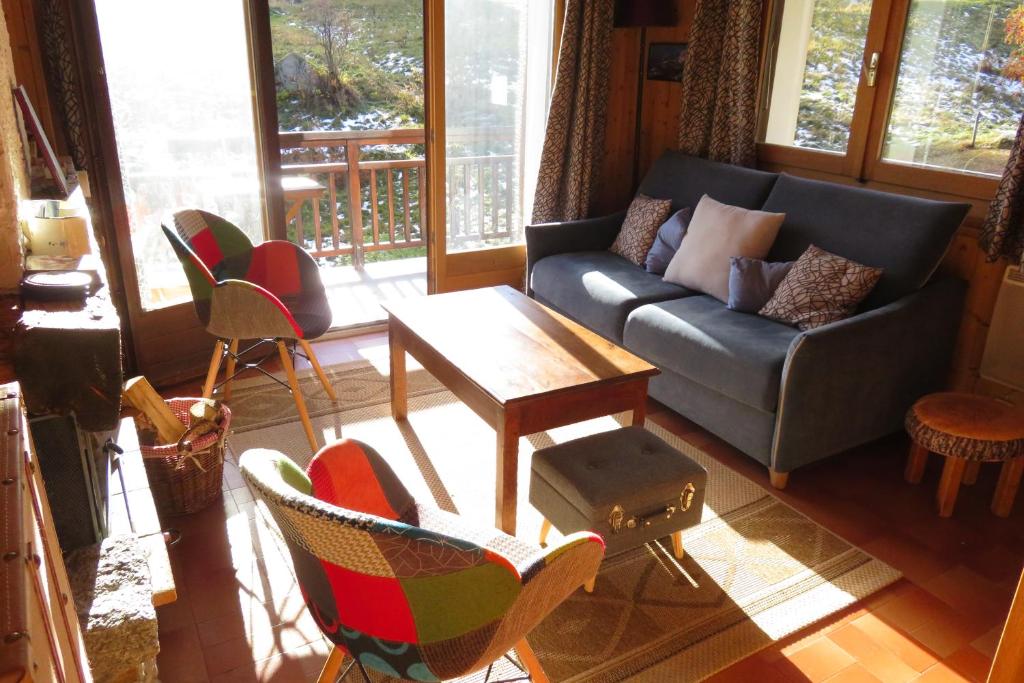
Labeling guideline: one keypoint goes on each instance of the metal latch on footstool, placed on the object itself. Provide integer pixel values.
(627, 485)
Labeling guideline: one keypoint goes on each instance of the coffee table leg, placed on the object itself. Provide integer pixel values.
(640, 409)
(507, 477)
(949, 485)
(399, 394)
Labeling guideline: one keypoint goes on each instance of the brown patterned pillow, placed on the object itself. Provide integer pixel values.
(643, 219)
(821, 288)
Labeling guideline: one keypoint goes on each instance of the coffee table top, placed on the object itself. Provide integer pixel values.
(513, 347)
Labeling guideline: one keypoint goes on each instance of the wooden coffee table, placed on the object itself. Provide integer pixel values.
(520, 366)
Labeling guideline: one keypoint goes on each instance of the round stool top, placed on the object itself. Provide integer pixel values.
(968, 426)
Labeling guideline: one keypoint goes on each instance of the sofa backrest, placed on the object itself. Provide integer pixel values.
(685, 179)
(907, 236)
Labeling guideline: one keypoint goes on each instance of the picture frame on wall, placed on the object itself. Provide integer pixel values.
(33, 129)
(665, 61)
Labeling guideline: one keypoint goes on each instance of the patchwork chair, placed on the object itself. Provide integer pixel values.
(270, 292)
(406, 589)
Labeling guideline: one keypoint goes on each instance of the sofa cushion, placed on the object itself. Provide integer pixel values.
(905, 236)
(643, 219)
(598, 289)
(685, 179)
(716, 233)
(736, 354)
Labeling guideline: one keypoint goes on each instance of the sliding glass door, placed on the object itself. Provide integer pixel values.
(181, 114)
(489, 82)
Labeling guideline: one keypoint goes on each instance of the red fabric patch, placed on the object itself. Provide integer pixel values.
(275, 267)
(206, 248)
(342, 475)
(374, 605)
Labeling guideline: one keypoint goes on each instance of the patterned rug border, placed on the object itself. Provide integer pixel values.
(740, 637)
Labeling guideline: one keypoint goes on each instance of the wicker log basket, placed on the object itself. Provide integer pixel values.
(186, 476)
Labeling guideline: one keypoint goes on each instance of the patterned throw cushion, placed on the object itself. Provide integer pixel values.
(717, 232)
(820, 288)
(667, 242)
(645, 216)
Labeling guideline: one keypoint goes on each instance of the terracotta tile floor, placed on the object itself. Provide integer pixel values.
(239, 616)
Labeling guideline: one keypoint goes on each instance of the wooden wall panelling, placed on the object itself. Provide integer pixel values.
(613, 185)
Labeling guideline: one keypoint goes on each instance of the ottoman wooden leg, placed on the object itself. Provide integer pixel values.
(916, 461)
(1006, 489)
(677, 545)
(971, 472)
(545, 529)
(949, 485)
(588, 585)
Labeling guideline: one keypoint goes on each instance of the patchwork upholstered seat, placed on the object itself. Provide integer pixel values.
(271, 292)
(404, 588)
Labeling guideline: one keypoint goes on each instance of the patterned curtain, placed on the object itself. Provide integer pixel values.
(718, 119)
(63, 75)
(576, 119)
(1003, 233)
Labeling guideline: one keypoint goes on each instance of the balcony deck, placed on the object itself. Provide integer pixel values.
(356, 295)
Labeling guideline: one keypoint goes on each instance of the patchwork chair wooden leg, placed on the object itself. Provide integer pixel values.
(308, 349)
(332, 666)
(588, 585)
(778, 479)
(677, 545)
(545, 529)
(1006, 489)
(229, 369)
(300, 404)
(211, 374)
(530, 661)
(949, 485)
(916, 462)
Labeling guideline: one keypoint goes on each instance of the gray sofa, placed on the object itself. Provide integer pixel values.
(784, 397)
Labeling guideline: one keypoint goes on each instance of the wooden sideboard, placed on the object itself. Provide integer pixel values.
(40, 637)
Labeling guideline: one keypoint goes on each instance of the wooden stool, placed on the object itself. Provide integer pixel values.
(968, 429)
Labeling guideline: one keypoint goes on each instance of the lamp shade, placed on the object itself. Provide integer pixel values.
(645, 12)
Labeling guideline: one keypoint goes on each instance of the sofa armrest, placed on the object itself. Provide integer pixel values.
(589, 234)
(852, 381)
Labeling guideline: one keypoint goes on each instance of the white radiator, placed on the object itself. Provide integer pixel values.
(1003, 361)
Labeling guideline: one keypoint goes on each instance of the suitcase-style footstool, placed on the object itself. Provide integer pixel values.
(627, 485)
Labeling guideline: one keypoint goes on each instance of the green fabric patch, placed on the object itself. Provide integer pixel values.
(450, 605)
(230, 239)
(294, 476)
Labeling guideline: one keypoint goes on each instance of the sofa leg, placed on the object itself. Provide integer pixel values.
(779, 479)
(588, 585)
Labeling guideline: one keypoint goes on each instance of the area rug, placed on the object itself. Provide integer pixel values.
(755, 569)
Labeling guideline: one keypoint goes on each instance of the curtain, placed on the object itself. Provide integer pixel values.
(63, 75)
(1003, 232)
(718, 117)
(574, 140)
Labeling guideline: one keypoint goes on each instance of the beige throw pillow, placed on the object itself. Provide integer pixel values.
(718, 232)
(820, 288)
(638, 231)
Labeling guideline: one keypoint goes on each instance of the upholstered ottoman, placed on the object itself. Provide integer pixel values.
(627, 485)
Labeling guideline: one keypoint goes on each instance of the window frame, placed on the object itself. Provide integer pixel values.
(872, 109)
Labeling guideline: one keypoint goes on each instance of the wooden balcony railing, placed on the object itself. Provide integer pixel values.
(370, 184)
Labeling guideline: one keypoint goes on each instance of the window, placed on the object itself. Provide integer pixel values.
(817, 70)
(914, 92)
(958, 88)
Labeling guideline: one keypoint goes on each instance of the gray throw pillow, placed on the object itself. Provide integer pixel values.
(666, 243)
(753, 281)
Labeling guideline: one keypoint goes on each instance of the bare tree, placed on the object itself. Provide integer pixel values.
(333, 28)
